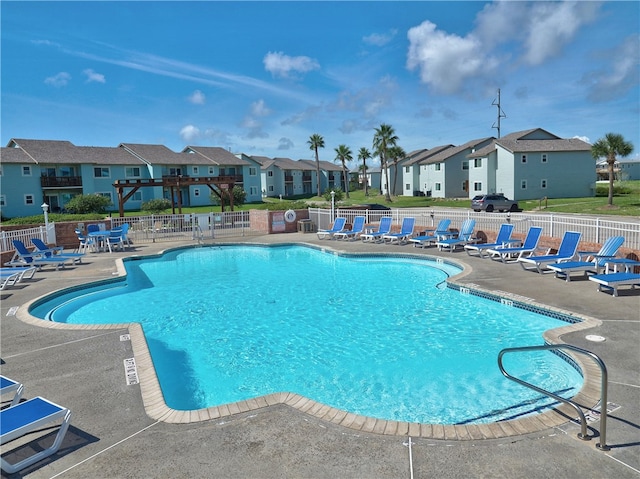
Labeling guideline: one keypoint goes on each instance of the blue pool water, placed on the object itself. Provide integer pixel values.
(371, 335)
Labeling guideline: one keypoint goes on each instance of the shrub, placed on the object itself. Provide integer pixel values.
(618, 189)
(338, 197)
(83, 204)
(159, 205)
(239, 197)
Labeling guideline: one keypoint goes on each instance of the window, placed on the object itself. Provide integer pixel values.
(48, 172)
(477, 163)
(407, 186)
(271, 188)
(465, 165)
(523, 184)
(523, 158)
(253, 190)
(196, 192)
(26, 170)
(438, 186)
(175, 171)
(3, 200)
(100, 172)
(28, 200)
(137, 196)
(437, 166)
(195, 170)
(105, 194)
(253, 171)
(269, 173)
(543, 158)
(211, 171)
(132, 172)
(477, 186)
(543, 184)
(407, 169)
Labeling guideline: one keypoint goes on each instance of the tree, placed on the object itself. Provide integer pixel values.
(316, 141)
(383, 139)
(364, 155)
(343, 154)
(84, 204)
(612, 145)
(156, 206)
(396, 153)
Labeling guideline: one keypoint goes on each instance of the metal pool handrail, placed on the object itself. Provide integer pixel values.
(602, 445)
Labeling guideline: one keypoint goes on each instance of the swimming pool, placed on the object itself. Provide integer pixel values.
(368, 334)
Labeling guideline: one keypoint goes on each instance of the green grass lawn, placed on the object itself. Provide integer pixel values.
(626, 202)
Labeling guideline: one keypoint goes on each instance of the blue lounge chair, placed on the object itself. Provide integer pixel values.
(338, 225)
(55, 252)
(502, 239)
(613, 280)
(11, 276)
(383, 228)
(9, 386)
(465, 236)
(588, 261)
(356, 230)
(406, 230)
(566, 251)
(529, 246)
(441, 231)
(24, 257)
(27, 417)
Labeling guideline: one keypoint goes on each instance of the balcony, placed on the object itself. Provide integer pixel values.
(60, 181)
(288, 179)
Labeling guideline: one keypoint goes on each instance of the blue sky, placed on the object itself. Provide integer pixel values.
(261, 77)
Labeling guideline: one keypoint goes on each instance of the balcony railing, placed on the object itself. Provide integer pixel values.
(60, 181)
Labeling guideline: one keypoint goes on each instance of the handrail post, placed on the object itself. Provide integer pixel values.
(602, 445)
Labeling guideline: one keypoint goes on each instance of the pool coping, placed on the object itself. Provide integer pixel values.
(156, 408)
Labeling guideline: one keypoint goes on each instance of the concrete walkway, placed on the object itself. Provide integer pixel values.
(112, 436)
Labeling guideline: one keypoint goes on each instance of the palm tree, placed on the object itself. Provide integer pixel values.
(364, 155)
(343, 153)
(316, 141)
(612, 145)
(396, 153)
(383, 139)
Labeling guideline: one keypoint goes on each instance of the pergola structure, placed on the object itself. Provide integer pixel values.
(222, 186)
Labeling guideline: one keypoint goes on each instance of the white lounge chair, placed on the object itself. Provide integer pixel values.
(502, 239)
(27, 417)
(383, 228)
(614, 280)
(24, 257)
(589, 262)
(529, 246)
(406, 230)
(465, 236)
(9, 386)
(431, 236)
(356, 229)
(55, 252)
(338, 225)
(566, 251)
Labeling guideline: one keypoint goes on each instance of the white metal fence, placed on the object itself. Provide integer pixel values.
(7, 237)
(204, 226)
(594, 230)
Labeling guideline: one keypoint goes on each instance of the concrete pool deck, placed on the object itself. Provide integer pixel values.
(111, 434)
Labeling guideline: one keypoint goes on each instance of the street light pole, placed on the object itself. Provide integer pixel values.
(45, 210)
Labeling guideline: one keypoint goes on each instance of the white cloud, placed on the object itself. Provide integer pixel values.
(446, 61)
(583, 138)
(281, 65)
(621, 75)
(259, 108)
(93, 76)
(189, 133)
(380, 39)
(197, 98)
(58, 80)
(285, 144)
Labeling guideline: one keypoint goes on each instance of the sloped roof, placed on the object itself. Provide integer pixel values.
(324, 165)
(518, 142)
(47, 151)
(102, 155)
(262, 160)
(14, 155)
(217, 155)
(446, 153)
(422, 156)
(289, 164)
(161, 155)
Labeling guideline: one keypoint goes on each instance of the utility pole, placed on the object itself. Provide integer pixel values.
(501, 114)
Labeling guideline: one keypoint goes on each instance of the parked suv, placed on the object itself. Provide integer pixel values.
(493, 202)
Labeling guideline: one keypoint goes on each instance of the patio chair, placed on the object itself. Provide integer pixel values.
(356, 230)
(9, 386)
(86, 242)
(115, 239)
(383, 228)
(406, 230)
(338, 226)
(614, 280)
(55, 252)
(11, 276)
(24, 257)
(588, 261)
(28, 417)
(502, 239)
(125, 234)
(529, 246)
(431, 236)
(465, 236)
(566, 251)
